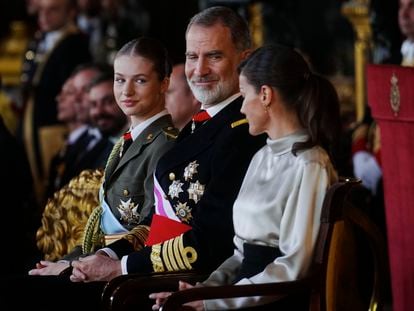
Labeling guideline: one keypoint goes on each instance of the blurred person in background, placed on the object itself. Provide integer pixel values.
(180, 101)
(56, 50)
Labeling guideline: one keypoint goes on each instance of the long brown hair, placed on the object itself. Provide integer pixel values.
(311, 96)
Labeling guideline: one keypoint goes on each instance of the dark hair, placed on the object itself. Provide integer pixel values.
(312, 96)
(152, 50)
(98, 67)
(104, 76)
(240, 34)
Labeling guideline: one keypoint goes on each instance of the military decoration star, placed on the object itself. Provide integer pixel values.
(183, 212)
(190, 170)
(195, 191)
(175, 189)
(129, 212)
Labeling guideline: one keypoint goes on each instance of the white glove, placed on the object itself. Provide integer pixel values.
(367, 169)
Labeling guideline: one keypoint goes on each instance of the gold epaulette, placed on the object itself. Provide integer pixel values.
(171, 132)
(239, 122)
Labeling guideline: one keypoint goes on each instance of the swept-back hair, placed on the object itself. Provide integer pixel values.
(152, 50)
(240, 34)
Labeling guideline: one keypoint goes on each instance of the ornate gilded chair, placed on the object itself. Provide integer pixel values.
(66, 213)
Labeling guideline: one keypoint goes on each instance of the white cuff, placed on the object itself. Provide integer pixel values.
(110, 253)
(124, 265)
(366, 167)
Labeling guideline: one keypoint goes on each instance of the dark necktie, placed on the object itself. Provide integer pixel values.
(199, 118)
(76, 150)
(125, 143)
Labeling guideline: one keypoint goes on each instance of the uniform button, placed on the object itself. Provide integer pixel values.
(24, 77)
(171, 176)
(126, 192)
(149, 136)
(30, 55)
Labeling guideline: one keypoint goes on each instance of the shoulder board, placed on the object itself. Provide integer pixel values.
(239, 122)
(170, 132)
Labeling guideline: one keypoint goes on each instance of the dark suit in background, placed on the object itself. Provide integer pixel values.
(76, 157)
(43, 76)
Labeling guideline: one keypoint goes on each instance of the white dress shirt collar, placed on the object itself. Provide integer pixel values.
(138, 129)
(213, 110)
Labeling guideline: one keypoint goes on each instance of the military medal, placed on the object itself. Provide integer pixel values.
(175, 189)
(129, 211)
(190, 170)
(199, 117)
(195, 191)
(183, 212)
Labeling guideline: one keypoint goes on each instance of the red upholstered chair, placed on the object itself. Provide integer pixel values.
(336, 280)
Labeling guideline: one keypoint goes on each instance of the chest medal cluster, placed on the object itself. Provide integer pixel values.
(194, 189)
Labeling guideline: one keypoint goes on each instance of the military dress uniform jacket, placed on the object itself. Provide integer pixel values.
(128, 182)
(200, 176)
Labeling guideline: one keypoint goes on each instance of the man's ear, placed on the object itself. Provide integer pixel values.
(164, 85)
(246, 53)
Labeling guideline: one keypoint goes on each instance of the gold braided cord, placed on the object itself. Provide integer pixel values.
(114, 151)
(93, 237)
(137, 237)
(92, 234)
(66, 214)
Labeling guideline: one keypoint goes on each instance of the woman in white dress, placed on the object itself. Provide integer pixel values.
(277, 212)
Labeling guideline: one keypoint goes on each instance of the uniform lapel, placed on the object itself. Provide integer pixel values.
(138, 145)
(113, 160)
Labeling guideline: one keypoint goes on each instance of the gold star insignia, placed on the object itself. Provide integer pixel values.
(183, 212)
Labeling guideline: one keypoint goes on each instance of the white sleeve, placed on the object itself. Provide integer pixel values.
(226, 272)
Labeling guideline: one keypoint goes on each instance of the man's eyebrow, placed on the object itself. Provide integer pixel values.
(214, 53)
(209, 53)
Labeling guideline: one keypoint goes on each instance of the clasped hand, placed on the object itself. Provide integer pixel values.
(97, 267)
